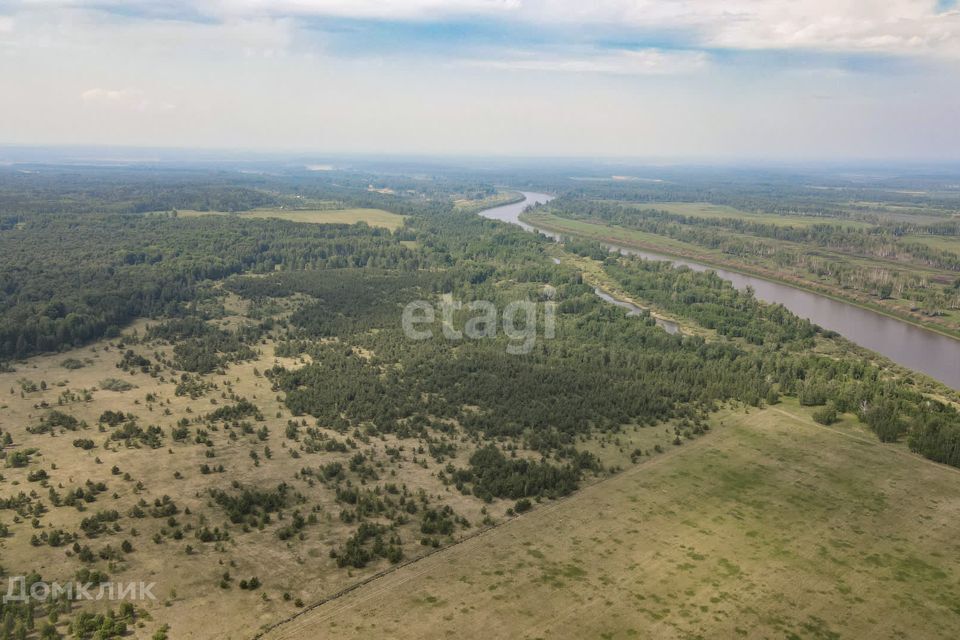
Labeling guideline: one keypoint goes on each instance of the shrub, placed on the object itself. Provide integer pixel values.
(113, 384)
(522, 505)
(826, 415)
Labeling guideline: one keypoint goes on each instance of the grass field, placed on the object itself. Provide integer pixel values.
(715, 211)
(946, 243)
(771, 527)
(373, 217)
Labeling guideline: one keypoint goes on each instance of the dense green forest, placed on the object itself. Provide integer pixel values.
(67, 279)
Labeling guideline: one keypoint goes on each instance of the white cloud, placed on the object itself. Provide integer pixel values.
(905, 27)
(617, 62)
(127, 99)
(112, 96)
(367, 9)
(899, 27)
(894, 26)
(6, 24)
(57, 24)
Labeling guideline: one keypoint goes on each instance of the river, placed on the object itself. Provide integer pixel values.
(931, 353)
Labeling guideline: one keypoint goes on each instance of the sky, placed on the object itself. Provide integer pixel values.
(777, 79)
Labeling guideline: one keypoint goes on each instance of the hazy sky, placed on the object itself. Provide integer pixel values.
(643, 78)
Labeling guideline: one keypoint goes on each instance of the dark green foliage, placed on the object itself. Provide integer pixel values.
(230, 413)
(438, 521)
(936, 435)
(494, 475)
(738, 236)
(132, 361)
(883, 416)
(133, 434)
(292, 529)
(522, 505)
(55, 420)
(96, 524)
(202, 348)
(712, 301)
(163, 507)
(115, 418)
(252, 504)
(251, 584)
(813, 393)
(346, 301)
(37, 476)
(193, 386)
(357, 550)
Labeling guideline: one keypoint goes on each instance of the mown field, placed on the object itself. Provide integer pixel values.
(373, 217)
(770, 527)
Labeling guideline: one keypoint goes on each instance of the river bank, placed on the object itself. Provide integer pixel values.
(905, 343)
(668, 249)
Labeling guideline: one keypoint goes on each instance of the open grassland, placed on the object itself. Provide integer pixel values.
(946, 243)
(716, 211)
(197, 580)
(187, 572)
(772, 527)
(373, 217)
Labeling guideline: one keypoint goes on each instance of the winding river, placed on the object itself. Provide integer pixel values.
(931, 353)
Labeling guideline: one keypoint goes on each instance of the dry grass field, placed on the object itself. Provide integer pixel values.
(771, 527)
(373, 217)
(187, 582)
(188, 572)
